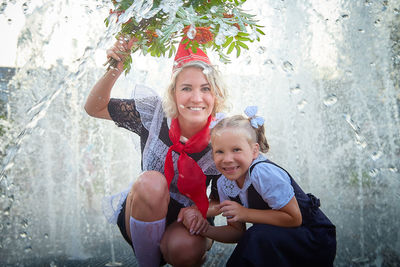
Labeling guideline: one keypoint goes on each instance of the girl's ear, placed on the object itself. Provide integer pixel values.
(256, 150)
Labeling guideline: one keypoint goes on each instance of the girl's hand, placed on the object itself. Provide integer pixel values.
(193, 220)
(119, 51)
(233, 211)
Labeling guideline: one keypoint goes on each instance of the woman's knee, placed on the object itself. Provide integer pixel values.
(151, 186)
(184, 249)
(149, 194)
(186, 252)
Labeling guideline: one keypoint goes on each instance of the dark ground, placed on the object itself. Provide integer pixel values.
(217, 256)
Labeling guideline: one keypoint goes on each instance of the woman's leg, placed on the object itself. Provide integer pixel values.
(179, 248)
(148, 199)
(145, 211)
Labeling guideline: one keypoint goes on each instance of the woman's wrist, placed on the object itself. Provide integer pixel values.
(112, 74)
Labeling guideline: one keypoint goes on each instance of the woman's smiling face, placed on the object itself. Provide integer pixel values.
(193, 96)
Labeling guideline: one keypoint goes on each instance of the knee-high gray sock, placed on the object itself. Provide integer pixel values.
(146, 237)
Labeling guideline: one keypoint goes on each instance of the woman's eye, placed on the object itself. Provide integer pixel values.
(185, 89)
(218, 152)
(236, 149)
(206, 89)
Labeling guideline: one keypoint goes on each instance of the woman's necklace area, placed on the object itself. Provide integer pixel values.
(183, 139)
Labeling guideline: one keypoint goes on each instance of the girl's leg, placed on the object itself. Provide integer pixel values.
(179, 248)
(145, 211)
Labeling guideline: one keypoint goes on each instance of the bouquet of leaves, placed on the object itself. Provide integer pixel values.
(159, 26)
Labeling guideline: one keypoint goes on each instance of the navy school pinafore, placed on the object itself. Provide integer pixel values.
(311, 244)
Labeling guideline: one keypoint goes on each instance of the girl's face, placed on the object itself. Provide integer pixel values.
(233, 154)
(193, 96)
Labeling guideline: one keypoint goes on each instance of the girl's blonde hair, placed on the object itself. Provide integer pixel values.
(237, 123)
(213, 76)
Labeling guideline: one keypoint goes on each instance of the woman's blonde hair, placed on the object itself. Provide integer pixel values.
(237, 123)
(213, 76)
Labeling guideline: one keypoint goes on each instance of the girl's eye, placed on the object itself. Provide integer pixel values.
(218, 152)
(236, 149)
(206, 89)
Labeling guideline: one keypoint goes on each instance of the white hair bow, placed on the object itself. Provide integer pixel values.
(218, 118)
(255, 121)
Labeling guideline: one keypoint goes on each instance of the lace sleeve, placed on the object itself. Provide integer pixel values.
(124, 113)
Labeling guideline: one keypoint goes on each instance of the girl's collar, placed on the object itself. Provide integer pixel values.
(231, 188)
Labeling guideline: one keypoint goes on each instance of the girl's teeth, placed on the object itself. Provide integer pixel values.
(196, 109)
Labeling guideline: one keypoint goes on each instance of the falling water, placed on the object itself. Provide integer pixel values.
(325, 77)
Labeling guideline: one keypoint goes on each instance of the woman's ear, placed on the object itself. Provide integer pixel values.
(256, 150)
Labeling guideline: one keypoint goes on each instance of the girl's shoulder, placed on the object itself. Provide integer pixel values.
(261, 168)
(272, 183)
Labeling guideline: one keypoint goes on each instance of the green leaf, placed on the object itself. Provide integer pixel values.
(237, 51)
(171, 52)
(260, 31)
(145, 50)
(227, 42)
(230, 49)
(195, 46)
(188, 45)
(243, 39)
(242, 44)
(243, 34)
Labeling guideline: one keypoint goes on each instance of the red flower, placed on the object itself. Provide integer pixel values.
(150, 36)
(226, 15)
(203, 34)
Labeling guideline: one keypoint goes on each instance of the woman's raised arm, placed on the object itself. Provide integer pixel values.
(99, 96)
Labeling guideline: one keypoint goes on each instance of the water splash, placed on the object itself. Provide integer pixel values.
(360, 139)
(330, 100)
(295, 90)
(287, 66)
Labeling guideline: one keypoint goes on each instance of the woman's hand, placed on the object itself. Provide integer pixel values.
(193, 220)
(233, 211)
(119, 51)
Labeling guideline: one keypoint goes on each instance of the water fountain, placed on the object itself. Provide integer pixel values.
(325, 78)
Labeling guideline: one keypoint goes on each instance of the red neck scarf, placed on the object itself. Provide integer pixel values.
(191, 180)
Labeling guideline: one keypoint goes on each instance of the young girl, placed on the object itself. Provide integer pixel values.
(288, 227)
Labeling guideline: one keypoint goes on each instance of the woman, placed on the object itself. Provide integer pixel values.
(165, 208)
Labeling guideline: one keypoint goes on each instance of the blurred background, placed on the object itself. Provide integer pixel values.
(325, 77)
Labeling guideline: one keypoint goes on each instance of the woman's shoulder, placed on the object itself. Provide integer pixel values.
(149, 105)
